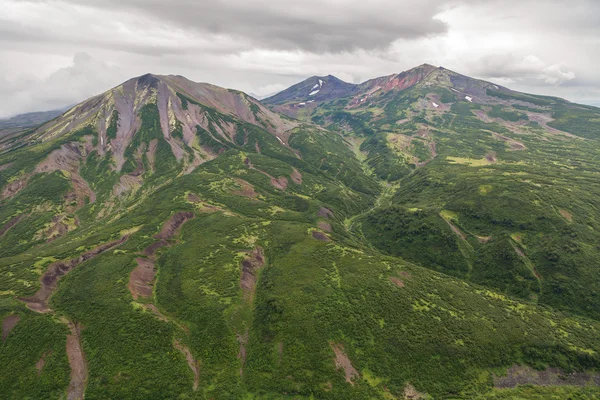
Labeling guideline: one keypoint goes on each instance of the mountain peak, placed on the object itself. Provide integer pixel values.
(310, 92)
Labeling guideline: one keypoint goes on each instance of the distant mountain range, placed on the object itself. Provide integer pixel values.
(31, 119)
(422, 235)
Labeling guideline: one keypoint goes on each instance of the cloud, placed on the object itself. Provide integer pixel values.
(510, 68)
(311, 25)
(260, 46)
(84, 78)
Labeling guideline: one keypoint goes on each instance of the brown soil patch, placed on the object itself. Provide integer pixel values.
(566, 215)
(49, 281)
(325, 212)
(250, 266)
(321, 236)
(13, 188)
(8, 324)
(280, 183)
(404, 274)
(324, 226)
(396, 281)
(193, 198)
(491, 157)
(343, 362)
(192, 362)
(520, 375)
(173, 224)
(82, 190)
(39, 365)
(243, 340)
(79, 372)
(296, 177)
(247, 190)
(10, 224)
(484, 239)
(141, 278)
(410, 393)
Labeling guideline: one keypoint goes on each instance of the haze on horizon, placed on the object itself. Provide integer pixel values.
(56, 53)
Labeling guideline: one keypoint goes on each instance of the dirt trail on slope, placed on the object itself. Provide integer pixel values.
(142, 277)
(49, 280)
(79, 371)
(343, 362)
(243, 341)
(10, 224)
(397, 281)
(296, 176)
(247, 190)
(39, 365)
(280, 183)
(14, 187)
(192, 362)
(8, 324)
(173, 224)
(325, 212)
(455, 229)
(520, 375)
(141, 281)
(320, 236)
(250, 266)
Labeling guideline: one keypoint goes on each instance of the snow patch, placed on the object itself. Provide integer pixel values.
(101, 141)
(320, 83)
(313, 92)
(302, 104)
(435, 105)
(280, 141)
(454, 90)
(310, 101)
(469, 99)
(316, 86)
(496, 87)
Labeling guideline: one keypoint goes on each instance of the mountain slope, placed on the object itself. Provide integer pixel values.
(169, 239)
(491, 176)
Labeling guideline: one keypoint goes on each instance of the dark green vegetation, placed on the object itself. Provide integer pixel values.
(410, 250)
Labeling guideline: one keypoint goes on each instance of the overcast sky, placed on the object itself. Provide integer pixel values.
(58, 52)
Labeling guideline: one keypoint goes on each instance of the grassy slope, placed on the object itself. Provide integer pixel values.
(310, 293)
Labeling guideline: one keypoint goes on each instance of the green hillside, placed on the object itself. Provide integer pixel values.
(168, 239)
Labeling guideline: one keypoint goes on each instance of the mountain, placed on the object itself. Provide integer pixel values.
(29, 120)
(308, 94)
(420, 235)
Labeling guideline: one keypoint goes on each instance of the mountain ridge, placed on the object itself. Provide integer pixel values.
(173, 239)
